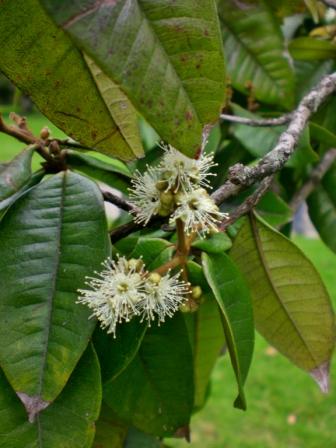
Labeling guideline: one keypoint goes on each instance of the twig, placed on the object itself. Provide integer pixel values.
(131, 227)
(116, 200)
(248, 204)
(258, 122)
(24, 135)
(241, 176)
(315, 178)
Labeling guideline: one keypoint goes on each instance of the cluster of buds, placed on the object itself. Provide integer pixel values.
(177, 188)
(124, 289)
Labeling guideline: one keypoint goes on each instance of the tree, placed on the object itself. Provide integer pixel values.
(110, 330)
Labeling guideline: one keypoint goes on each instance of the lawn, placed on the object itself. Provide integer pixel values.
(285, 407)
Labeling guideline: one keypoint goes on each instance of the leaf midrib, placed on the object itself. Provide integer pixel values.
(53, 287)
(258, 245)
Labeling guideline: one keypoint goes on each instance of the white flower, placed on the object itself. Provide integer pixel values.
(183, 173)
(164, 295)
(114, 295)
(198, 212)
(145, 196)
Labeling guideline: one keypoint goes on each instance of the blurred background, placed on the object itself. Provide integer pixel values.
(285, 407)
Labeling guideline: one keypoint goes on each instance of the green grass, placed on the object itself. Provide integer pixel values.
(275, 389)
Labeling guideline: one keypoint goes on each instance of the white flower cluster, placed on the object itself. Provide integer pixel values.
(176, 187)
(124, 289)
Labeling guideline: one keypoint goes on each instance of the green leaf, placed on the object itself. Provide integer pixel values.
(206, 333)
(138, 439)
(308, 74)
(155, 393)
(119, 106)
(54, 74)
(67, 423)
(51, 238)
(15, 174)
(214, 244)
(322, 208)
(232, 295)
(311, 49)
(292, 308)
(153, 251)
(34, 179)
(273, 209)
(149, 49)
(259, 141)
(322, 135)
(116, 353)
(255, 52)
(112, 173)
(110, 433)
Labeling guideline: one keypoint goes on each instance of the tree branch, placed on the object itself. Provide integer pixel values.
(248, 204)
(315, 178)
(116, 200)
(258, 122)
(241, 176)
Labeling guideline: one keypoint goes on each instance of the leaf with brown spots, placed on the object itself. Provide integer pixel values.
(165, 55)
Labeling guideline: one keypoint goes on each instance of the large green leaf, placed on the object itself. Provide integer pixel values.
(255, 52)
(43, 62)
(232, 295)
(292, 308)
(50, 239)
(322, 208)
(155, 393)
(166, 56)
(207, 336)
(67, 423)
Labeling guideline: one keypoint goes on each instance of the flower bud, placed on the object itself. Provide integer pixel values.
(162, 185)
(166, 198)
(136, 264)
(45, 133)
(154, 277)
(164, 211)
(190, 306)
(196, 292)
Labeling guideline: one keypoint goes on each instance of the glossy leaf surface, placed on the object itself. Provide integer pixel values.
(232, 295)
(67, 423)
(207, 335)
(50, 240)
(155, 393)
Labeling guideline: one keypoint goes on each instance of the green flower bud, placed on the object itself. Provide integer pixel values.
(166, 198)
(136, 264)
(196, 292)
(154, 277)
